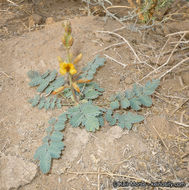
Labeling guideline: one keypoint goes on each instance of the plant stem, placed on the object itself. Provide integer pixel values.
(68, 55)
(72, 89)
(70, 78)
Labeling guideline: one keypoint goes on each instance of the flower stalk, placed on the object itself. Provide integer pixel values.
(68, 66)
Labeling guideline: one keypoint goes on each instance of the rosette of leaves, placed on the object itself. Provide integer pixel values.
(135, 98)
(52, 144)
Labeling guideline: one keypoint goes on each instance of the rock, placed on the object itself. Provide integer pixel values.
(49, 21)
(35, 19)
(15, 172)
(76, 140)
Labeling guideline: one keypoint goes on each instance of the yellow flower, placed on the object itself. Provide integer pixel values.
(66, 67)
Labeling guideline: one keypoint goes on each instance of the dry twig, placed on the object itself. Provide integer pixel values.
(179, 106)
(98, 178)
(107, 174)
(115, 34)
(114, 7)
(155, 70)
(177, 33)
(178, 123)
(178, 64)
(6, 74)
(108, 47)
(160, 137)
(18, 7)
(112, 59)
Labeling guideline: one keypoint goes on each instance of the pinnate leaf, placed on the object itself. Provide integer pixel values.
(101, 121)
(85, 114)
(90, 109)
(90, 69)
(145, 100)
(45, 162)
(76, 119)
(91, 123)
(150, 87)
(92, 94)
(114, 105)
(56, 136)
(126, 120)
(58, 145)
(125, 103)
(33, 74)
(135, 103)
(134, 118)
(111, 120)
(59, 126)
(40, 151)
(54, 151)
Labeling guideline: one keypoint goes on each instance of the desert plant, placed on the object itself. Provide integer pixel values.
(80, 93)
(147, 9)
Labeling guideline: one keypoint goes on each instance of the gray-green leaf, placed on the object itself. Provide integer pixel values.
(145, 100)
(150, 87)
(91, 124)
(125, 103)
(135, 103)
(45, 162)
(114, 105)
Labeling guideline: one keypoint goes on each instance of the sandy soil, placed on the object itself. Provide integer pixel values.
(155, 150)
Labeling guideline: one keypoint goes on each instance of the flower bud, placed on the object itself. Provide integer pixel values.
(67, 40)
(83, 81)
(58, 90)
(77, 59)
(70, 41)
(76, 87)
(67, 27)
(64, 40)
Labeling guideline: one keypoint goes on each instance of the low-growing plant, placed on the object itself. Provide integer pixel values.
(147, 9)
(80, 93)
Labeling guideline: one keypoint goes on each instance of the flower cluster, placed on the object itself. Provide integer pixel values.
(68, 66)
(67, 40)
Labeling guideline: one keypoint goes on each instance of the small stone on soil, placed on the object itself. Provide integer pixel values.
(16, 172)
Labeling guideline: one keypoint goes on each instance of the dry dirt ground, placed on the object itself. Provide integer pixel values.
(154, 150)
